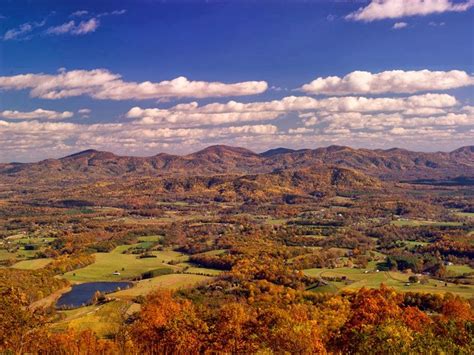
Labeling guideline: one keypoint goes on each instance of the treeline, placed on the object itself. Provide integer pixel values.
(31, 284)
(65, 263)
(368, 321)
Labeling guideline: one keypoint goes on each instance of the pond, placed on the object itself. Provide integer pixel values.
(82, 294)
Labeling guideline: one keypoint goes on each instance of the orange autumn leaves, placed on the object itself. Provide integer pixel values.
(366, 321)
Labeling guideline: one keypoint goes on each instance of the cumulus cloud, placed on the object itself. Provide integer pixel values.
(35, 139)
(399, 25)
(300, 130)
(186, 117)
(307, 107)
(36, 114)
(72, 28)
(394, 81)
(389, 9)
(104, 85)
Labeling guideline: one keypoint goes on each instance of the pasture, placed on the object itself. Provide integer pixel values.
(126, 266)
(104, 320)
(358, 278)
(171, 281)
(32, 264)
(418, 223)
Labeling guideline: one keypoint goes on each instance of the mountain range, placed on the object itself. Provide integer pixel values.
(392, 164)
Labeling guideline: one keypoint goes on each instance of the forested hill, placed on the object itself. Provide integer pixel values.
(391, 164)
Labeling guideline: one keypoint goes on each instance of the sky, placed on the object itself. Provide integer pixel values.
(142, 77)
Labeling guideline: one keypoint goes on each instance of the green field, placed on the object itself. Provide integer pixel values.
(172, 281)
(357, 278)
(417, 223)
(190, 268)
(413, 244)
(460, 269)
(150, 238)
(5, 254)
(18, 255)
(464, 214)
(104, 320)
(128, 265)
(32, 264)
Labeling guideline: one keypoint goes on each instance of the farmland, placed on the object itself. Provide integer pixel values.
(276, 249)
(354, 279)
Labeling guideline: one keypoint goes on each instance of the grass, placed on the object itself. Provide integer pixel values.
(32, 264)
(172, 281)
(73, 211)
(413, 244)
(107, 263)
(315, 236)
(396, 280)
(460, 269)
(417, 223)
(276, 221)
(465, 214)
(17, 255)
(194, 269)
(5, 255)
(150, 238)
(38, 241)
(104, 320)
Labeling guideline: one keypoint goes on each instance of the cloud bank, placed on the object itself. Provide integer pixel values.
(394, 81)
(104, 85)
(36, 114)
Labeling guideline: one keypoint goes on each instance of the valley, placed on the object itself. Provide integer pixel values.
(301, 235)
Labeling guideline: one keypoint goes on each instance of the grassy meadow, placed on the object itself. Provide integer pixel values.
(358, 278)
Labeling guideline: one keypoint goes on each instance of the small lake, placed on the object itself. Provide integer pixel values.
(82, 294)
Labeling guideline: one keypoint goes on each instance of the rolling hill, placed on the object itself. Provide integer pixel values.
(392, 164)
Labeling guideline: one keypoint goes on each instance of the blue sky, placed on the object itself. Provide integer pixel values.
(98, 75)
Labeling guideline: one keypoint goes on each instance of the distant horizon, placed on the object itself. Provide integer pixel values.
(229, 146)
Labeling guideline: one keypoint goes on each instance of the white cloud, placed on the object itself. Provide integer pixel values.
(399, 25)
(70, 27)
(389, 9)
(23, 31)
(307, 107)
(31, 140)
(104, 85)
(118, 12)
(86, 27)
(34, 140)
(14, 33)
(61, 29)
(79, 13)
(394, 81)
(84, 112)
(300, 130)
(186, 117)
(424, 111)
(36, 114)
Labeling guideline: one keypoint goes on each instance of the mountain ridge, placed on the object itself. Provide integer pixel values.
(389, 164)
